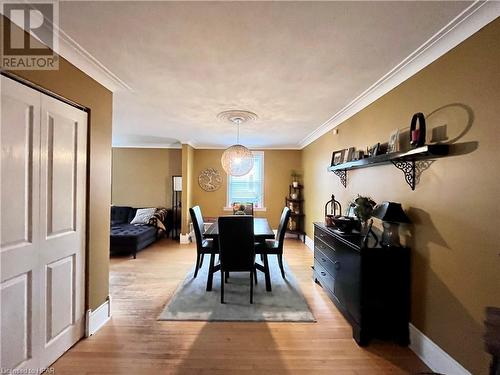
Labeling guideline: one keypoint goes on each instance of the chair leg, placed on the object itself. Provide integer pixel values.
(251, 286)
(197, 267)
(255, 275)
(201, 260)
(210, 273)
(280, 261)
(221, 286)
(226, 276)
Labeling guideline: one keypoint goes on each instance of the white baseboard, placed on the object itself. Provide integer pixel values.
(97, 318)
(433, 356)
(309, 243)
(184, 239)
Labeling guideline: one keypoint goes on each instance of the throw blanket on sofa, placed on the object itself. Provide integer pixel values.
(159, 219)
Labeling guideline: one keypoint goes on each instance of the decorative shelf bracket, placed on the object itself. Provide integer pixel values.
(408, 168)
(342, 174)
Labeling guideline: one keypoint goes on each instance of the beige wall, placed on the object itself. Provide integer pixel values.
(278, 165)
(455, 232)
(73, 84)
(187, 186)
(142, 177)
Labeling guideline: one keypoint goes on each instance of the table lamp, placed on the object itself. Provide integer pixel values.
(391, 214)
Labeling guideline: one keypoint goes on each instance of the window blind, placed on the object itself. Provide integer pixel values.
(250, 187)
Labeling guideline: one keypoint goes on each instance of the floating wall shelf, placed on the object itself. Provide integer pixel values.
(405, 161)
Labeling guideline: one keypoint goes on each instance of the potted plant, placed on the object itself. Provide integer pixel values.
(363, 209)
(295, 179)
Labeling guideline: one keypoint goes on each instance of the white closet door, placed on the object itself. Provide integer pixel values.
(62, 226)
(43, 174)
(19, 237)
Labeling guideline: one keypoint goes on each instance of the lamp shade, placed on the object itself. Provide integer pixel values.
(177, 181)
(237, 160)
(391, 212)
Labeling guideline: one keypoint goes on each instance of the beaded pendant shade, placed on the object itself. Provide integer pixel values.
(237, 160)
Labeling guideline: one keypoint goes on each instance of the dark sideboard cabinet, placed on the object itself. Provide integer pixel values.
(369, 285)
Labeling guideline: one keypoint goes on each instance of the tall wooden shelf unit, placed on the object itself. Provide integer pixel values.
(296, 223)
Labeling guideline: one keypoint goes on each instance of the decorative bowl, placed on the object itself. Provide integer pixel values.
(345, 224)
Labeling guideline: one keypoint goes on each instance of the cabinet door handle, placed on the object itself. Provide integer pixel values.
(323, 273)
(337, 265)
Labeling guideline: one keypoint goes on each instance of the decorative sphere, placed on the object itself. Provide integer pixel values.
(237, 160)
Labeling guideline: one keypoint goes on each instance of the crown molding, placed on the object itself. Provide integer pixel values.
(147, 145)
(470, 21)
(73, 52)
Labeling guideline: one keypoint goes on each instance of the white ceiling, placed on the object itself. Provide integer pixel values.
(295, 64)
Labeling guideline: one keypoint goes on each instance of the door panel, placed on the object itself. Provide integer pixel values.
(17, 137)
(61, 169)
(16, 319)
(62, 214)
(19, 235)
(60, 290)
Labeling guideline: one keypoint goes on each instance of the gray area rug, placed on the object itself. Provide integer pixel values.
(285, 303)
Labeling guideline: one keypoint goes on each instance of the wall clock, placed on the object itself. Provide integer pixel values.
(210, 179)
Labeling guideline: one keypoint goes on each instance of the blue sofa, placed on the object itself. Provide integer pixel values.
(126, 238)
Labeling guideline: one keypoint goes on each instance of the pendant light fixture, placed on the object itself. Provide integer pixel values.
(237, 160)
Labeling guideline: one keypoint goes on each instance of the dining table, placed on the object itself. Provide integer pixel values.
(262, 231)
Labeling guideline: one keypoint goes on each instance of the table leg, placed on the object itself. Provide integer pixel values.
(267, 274)
(210, 273)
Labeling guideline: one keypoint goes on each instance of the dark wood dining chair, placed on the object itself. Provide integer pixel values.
(243, 208)
(236, 248)
(203, 245)
(276, 246)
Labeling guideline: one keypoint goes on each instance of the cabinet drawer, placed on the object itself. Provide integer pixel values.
(326, 262)
(326, 280)
(330, 240)
(325, 249)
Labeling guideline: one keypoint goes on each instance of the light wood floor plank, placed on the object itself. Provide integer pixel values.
(134, 342)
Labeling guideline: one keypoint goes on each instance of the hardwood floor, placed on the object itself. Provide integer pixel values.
(134, 342)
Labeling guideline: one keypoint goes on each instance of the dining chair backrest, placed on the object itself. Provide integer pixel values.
(197, 220)
(243, 208)
(236, 243)
(280, 234)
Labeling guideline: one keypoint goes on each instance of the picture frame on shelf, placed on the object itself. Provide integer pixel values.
(393, 144)
(349, 155)
(373, 150)
(338, 157)
(358, 155)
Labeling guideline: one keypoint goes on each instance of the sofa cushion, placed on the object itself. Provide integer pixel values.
(143, 215)
(132, 237)
(120, 214)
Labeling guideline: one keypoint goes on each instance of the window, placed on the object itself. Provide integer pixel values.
(250, 187)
